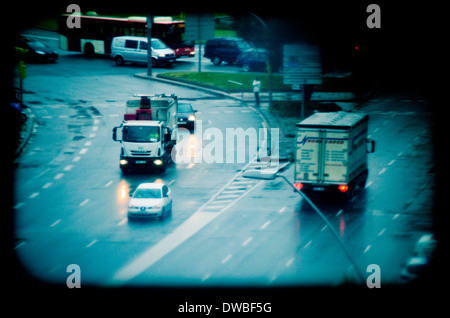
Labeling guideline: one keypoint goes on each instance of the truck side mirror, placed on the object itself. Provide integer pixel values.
(114, 134)
(372, 145)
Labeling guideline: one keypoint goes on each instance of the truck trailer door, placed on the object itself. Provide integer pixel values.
(307, 156)
(335, 155)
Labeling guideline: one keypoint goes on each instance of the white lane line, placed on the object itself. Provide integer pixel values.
(227, 258)
(395, 216)
(33, 195)
(191, 226)
(47, 185)
(367, 248)
(59, 176)
(289, 262)
(307, 244)
(77, 158)
(339, 212)
(108, 184)
(68, 167)
(206, 277)
(84, 202)
(55, 223)
(391, 162)
(83, 151)
(381, 232)
(264, 225)
(19, 205)
(382, 171)
(19, 245)
(324, 228)
(282, 209)
(245, 243)
(92, 243)
(368, 184)
(88, 143)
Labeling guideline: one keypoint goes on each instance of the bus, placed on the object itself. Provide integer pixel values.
(96, 33)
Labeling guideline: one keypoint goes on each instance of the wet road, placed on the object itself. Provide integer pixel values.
(70, 202)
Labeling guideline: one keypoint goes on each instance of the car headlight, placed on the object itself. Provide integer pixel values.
(40, 52)
(123, 162)
(161, 55)
(191, 118)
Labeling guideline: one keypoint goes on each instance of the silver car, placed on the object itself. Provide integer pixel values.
(151, 200)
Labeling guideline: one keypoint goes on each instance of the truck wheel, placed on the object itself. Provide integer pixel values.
(246, 67)
(119, 60)
(216, 61)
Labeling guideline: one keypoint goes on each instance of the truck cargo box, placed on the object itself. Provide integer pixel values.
(331, 151)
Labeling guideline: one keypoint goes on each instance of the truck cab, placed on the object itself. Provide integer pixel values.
(148, 132)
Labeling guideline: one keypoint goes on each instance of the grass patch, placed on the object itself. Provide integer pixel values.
(219, 80)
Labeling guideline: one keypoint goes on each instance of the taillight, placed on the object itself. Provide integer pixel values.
(298, 185)
(343, 188)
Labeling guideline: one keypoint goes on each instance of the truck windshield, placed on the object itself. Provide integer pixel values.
(140, 134)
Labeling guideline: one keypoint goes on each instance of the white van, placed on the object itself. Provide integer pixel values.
(134, 49)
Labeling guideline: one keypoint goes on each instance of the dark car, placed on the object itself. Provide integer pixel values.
(38, 51)
(253, 60)
(186, 116)
(225, 49)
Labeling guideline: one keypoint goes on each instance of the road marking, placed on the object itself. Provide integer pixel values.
(227, 258)
(245, 243)
(19, 245)
(18, 205)
(206, 277)
(47, 185)
(381, 232)
(55, 223)
(399, 154)
(376, 129)
(307, 244)
(84, 202)
(282, 209)
(395, 216)
(77, 158)
(191, 226)
(289, 262)
(391, 162)
(91, 135)
(264, 225)
(92, 243)
(88, 143)
(171, 182)
(68, 167)
(108, 184)
(33, 195)
(63, 116)
(95, 128)
(324, 228)
(382, 171)
(339, 212)
(367, 248)
(123, 221)
(368, 184)
(59, 176)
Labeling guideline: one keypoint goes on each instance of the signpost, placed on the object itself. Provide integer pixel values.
(302, 64)
(199, 27)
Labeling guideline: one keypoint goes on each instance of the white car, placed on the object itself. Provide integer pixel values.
(151, 200)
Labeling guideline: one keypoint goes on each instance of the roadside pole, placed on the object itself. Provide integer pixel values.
(149, 44)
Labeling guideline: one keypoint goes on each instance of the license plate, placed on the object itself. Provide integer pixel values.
(140, 161)
(318, 188)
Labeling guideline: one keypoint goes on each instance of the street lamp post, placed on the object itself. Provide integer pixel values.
(271, 174)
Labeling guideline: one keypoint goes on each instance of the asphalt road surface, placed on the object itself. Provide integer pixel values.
(71, 198)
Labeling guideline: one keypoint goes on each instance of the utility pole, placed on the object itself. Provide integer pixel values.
(149, 43)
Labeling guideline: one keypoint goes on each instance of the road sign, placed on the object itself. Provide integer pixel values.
(199, 27)
(302, 64)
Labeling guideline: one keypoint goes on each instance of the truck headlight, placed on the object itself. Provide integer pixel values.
(158, 162)
(123, 162)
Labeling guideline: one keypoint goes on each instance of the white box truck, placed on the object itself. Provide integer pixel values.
(331, 153)
(148, 132)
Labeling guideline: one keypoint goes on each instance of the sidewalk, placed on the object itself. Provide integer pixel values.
(286, 125)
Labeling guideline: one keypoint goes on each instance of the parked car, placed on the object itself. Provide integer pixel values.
(151, 200)
(225, 49)
(38, 51)
(134, 49)
(186, 116)
(420, 261)
(253, 60)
